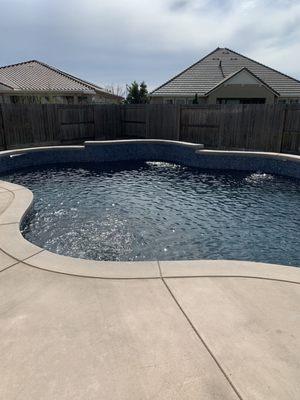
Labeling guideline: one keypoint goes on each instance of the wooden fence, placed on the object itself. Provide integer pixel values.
(251, 127)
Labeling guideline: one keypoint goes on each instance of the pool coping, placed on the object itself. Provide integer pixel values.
(14, 245)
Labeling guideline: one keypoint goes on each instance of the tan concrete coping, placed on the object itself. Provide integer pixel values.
(229, 268)
(18, 152)
(141, 141)
(262, 154)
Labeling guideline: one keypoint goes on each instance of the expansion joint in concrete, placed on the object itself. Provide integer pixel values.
(198, 334)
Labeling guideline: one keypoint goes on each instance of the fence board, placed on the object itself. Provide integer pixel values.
(163, 121)
(2, 132)
(134, 121)
(200, 125)
(291, 131)
(76, 123)
(107, 120)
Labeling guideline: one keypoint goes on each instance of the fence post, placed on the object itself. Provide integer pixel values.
(178, 121)
(283, 127)
(3, 127)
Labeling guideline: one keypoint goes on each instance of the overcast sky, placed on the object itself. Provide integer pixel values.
(118, 41)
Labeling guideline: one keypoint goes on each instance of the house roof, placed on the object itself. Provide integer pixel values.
(37, 76)
(208, 72)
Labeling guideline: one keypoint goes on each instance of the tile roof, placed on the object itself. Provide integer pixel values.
(37, 76)
(208, 72)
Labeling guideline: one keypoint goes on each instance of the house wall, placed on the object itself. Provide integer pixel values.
(99, 99)
(156, 100)
(176, 100)
(55, 98)
(241, 91)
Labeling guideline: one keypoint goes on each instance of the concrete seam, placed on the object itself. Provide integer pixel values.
(233, 276)
(10, 223)
(87, 276)
(10, 266)
(13, 190)
(199, 336)
(10, 202)
(142, 278)
(18, 259)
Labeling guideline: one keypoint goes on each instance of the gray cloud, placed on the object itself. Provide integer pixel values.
(118, 41)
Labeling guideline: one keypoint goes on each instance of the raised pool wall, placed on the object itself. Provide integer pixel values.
(188, 154)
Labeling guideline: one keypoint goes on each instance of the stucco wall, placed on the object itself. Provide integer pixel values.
(241, 91)
(57, 99)
(183, 100)
(156, 100)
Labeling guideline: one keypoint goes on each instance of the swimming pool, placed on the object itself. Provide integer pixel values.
(129, 211)
(160, 202)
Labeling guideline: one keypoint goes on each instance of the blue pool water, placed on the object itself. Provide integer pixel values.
(156, 210)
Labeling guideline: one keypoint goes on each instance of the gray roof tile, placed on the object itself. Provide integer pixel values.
(205, 74)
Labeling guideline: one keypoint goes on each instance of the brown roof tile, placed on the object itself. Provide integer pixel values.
(37, 76)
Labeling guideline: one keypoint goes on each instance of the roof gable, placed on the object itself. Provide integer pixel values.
(205, 74)
(242, 77)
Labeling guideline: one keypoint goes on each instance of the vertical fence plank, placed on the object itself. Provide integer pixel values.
(107, 119)
(134, 121)
(291, 131)
(2, 131)
(76, 123)
(164, 122)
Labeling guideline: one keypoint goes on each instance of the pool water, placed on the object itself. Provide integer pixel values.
(155, 210)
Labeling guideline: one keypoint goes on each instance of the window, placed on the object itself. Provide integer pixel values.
(288, 101)
(242, 101)
(30, 99)
(169, 101)
(82, 100)
(14, 99)
(70, 99)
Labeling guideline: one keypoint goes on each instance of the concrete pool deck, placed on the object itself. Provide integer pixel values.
(81, 329)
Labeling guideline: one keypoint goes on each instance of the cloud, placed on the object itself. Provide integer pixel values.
(117, 41)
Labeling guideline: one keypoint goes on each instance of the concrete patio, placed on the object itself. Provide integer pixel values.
(79, 329)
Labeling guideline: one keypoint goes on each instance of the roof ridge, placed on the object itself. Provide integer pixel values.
(263, 65)
(186, 69)
(19, 63)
